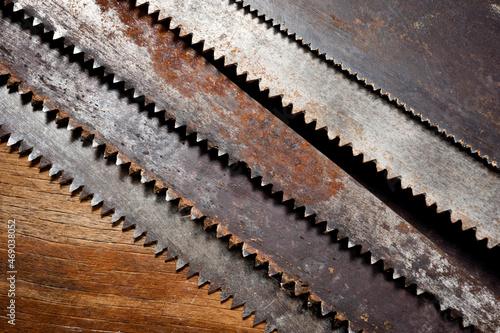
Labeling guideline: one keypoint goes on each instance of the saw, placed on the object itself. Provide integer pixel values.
(225, 196)
(186, 240)
(437, 58)
(374, 127)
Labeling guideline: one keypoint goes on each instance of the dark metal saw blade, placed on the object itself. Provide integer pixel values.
(162, 222)
(440, 58)
(229, 198)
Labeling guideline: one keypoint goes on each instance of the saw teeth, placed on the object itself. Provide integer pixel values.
(224, 295)
(237, 301)
(17, 7)
(13, 139)
(325, 309)
(75, 185)
(247, 311)
(192, 271)
(106, 208)
(96, 199)
(214, 286)
(138, 231)
(180, 264)
(170, 196)
(86, 192)
(65, 178)
(195, 214)
(44, 162)
(201, 279)
(259, 318)
(54, 170)
(24, 147)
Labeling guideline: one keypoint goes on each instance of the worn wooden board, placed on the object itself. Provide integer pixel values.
(77, 272)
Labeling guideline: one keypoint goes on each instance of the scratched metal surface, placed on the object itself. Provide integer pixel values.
(440, 58)
(425, 161)
(184, 239)
(215, 192)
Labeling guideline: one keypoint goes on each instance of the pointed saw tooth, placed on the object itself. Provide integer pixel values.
(224, 295)
(25, 146)
(350, 244)
(119, 159)
(260, 317)
(146, 177)
(325, 309)
(136, 94)
(34, 155)
(151, 237)
(247, 311)
(44, 162)
(180, 264)
(195, 213)
(419, 291)
(13, 139)
(138, 231)
(245, 252)
(395, 275)
(65, 177)
(96, 199)
(106, 208)
(202, 279)
(373, 259)
(76, 50)
(128, 223)
(170, 195)
(54, 170)
(86, 192)
(46, 108)
(57, 35)
(159, 247)
(96, 142)
(192, 271)
(214, 286)
(238, 300)
(17, 7)
(75, 185)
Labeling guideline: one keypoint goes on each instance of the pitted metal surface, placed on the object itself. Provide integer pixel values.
(215, 194)
(440, 58)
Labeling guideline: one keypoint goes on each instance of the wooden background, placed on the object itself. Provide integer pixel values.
(76, 272)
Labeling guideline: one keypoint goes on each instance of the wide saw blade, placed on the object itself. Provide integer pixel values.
(439, 58)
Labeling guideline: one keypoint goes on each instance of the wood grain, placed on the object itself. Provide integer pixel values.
(77, 272)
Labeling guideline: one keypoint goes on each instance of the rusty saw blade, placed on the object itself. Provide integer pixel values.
(439, 58)
(227, 197)
(207, 256)
(396, 141)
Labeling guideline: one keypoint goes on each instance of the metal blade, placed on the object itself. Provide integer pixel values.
(231, 199)
(162, 221)
(428, 164)
(438, 58)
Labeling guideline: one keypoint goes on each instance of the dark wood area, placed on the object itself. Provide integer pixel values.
(76, 272)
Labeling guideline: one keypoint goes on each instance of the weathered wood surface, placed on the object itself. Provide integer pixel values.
(76, 272)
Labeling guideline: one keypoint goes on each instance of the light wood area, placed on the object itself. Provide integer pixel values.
(76, 272)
